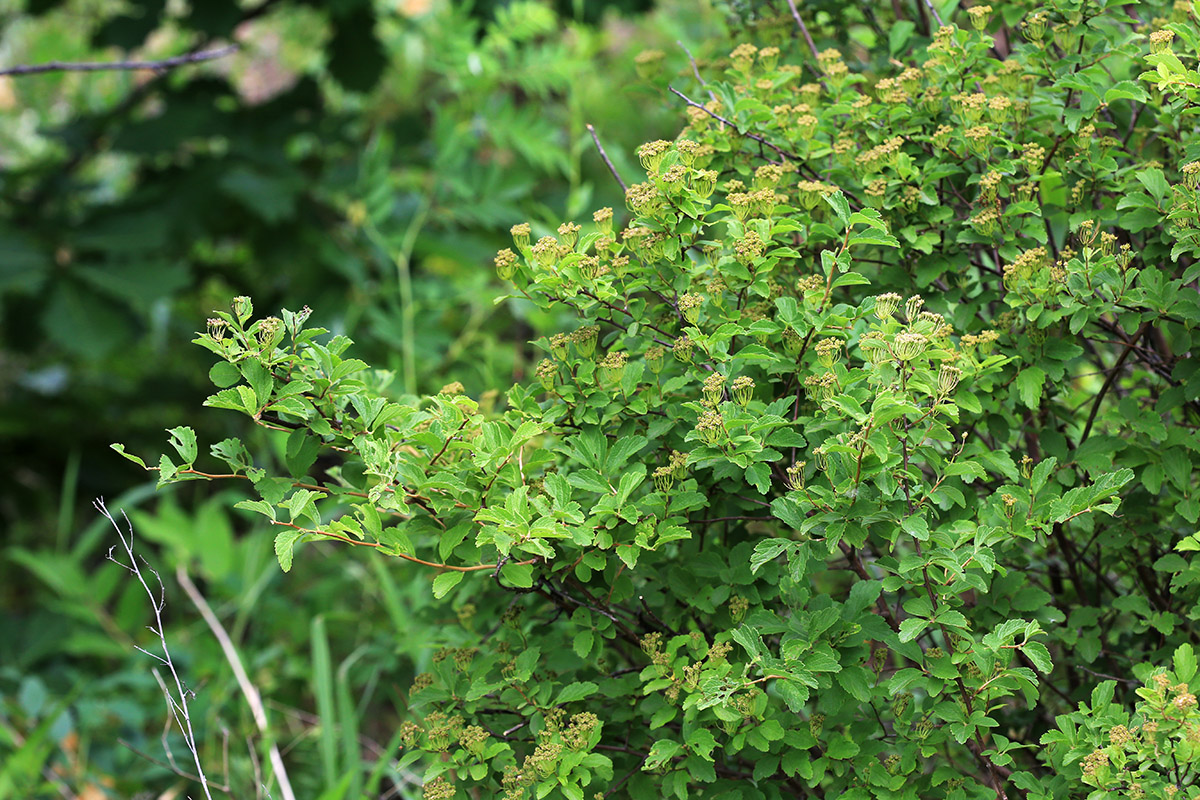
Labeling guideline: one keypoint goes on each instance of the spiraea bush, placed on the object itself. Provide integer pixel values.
(865, 470)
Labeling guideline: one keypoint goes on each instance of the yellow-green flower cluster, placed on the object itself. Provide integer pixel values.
(714, 388)
(689, 307)
(711, 426)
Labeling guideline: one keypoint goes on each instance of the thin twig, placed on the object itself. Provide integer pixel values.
(98, 66)
(1112, 376)
(177, 706)
(803, 28)
(607, 160)
(695, 68)
(937, 17)
(782, 153)
(172, 767)
(253, 699)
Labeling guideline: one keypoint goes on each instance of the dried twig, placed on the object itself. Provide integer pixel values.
(253, 698)
(604, 155)
(170, 766)
(160, 65)
(177, 701)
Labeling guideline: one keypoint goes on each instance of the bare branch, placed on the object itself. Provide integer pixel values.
(604, 155)
(695, 69)
(803, 28)
(99, 66)
(177, 702)
(171, 766)
(936, 15)
(783, 153)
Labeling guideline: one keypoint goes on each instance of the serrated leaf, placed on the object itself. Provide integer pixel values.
(912, 627)
(519, 575)
(701, 742)
(582, 644)
(872, 236)
(1039, 654)
(660, 753)
(258, 506)
(1028, 383)
(285, 543)
(840, 205)
(749, 638)
(767, 550)
(1125, 90)
(1042, 473)
(1185, 662)
(758, 475)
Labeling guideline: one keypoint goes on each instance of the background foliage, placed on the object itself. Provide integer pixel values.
(864, 470)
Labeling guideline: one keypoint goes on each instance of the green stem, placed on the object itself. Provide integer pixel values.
(403, 261)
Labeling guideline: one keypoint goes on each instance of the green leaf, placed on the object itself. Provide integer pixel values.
(749, 638)
(899, 33)
(519, 575)
(576, 691)
(1125, 90)
(285, 542)
(223, 375)
(120, 448)
(857, 682)
(768, 550)
(1155, 182)
(628, 553)
(842, 747)
(1029, 383)
(302, 451)
(183, 439)
(445, 582)
(261, 382)
(701, 742)
(660, 753)
(875, 237)
(1185, 662)
(771, 730)
(912, 627)
(1042, 473)
(258, 506)
(582, 644)
(840, 205)
(1039, 654)
(758, 475)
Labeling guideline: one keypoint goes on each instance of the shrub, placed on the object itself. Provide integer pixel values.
(871, 448)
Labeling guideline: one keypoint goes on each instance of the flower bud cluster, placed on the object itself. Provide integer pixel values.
(821, 387)
(742, 390)
(682, 349)
(1160, 41)
(585, 338)
(506, 264)
(714, 389)
(689, 306)
(613, 366)
(711, 426)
